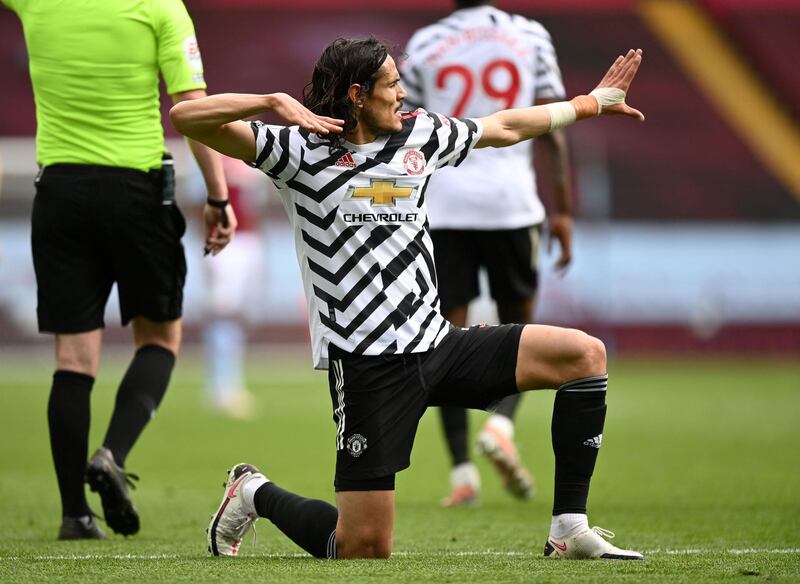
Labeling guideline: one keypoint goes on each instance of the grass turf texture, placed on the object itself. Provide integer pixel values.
(698, 470)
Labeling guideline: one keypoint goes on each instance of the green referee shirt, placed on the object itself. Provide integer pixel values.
(94, 67)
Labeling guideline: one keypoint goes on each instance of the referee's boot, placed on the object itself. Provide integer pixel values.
(111, 482)
(235, 516)
(80, 528)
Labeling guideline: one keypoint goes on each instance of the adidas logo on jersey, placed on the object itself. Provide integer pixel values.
(594, 442)
(346, 160)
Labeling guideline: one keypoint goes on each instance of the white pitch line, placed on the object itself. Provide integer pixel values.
(485, 553)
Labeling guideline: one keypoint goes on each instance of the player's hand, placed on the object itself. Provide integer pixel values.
(620, 76)
(559, 228)
(220, 227)
(295, 112)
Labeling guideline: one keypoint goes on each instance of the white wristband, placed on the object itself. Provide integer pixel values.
(562, 114)
(607, 96)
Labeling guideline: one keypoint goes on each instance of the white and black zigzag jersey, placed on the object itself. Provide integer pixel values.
(361, 230)
(474, 62)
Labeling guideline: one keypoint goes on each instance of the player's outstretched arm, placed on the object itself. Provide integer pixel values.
(215, 120)
(508, 127)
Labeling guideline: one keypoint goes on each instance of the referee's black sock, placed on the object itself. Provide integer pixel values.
(138, 396)
(68, 416)
(454, 424)
(508, 405)
(310, 523)
(579, 413)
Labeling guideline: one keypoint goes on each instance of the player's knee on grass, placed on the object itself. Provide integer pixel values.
(365, 542)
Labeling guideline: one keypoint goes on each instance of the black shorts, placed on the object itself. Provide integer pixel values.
(379, 400)
(510, 256)
(93, 226)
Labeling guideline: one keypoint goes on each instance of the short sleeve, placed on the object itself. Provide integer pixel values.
(17, 6)
(178, 53)
(278, 151)
(548, 76)
(457, 137)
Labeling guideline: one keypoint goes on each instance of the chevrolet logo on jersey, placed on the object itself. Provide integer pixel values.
(381, 193)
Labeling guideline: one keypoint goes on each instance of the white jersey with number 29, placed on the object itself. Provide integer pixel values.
(473, 63)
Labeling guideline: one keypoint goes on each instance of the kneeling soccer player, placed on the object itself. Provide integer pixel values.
(352, 174)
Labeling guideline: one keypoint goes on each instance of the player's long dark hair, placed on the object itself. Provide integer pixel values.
(343, 63)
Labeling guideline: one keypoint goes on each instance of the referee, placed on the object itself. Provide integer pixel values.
(105, 213)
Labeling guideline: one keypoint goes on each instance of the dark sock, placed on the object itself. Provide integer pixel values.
(454, 424)
(579, 413)
(68, 416)
(310, 523)
(138, 396)
(508, 405)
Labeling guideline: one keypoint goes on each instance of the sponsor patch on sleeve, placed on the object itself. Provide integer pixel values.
(192, 51)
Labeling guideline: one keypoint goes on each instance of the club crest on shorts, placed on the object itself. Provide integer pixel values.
(414, 162)
(356, 445)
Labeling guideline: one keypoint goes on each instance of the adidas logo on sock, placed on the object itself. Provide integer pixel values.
(594, 442)
(346, 160)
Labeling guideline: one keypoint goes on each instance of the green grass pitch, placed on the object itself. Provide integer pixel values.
(700, 469)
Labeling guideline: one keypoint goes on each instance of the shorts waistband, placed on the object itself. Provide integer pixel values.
(70, 169)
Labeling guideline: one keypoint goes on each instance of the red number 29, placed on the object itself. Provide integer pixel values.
(507, 94)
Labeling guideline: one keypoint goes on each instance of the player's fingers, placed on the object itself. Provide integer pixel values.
(623, 65)
(624, 109)
(225, 233)
(331, 124)
(604, 82)
(615, 74)
(332, 121)
(630, 70)
(634, 113)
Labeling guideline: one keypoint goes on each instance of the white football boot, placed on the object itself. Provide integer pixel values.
(234, 517)
(588, 544)
(465, 483)
(501, 451)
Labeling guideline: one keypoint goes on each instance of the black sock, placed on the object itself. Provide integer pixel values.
(68, 416)
(310, 523)
(138, 396)
(508, 405)
(579, 413)
(454, 424)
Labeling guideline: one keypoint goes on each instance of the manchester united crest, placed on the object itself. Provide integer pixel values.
(414, 162)
(356, 445)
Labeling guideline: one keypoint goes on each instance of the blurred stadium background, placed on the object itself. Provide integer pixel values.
(689, 226)
(687, 249)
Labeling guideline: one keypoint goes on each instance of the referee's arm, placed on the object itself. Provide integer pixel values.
(220, 223)
(209, 161)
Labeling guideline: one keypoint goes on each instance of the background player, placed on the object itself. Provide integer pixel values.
(486, 213)
(105, 212)
(357, 204)
(232, 283)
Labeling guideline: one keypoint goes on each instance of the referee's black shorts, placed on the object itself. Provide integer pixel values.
(93, 226)
(510, 257)
(378, 400)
